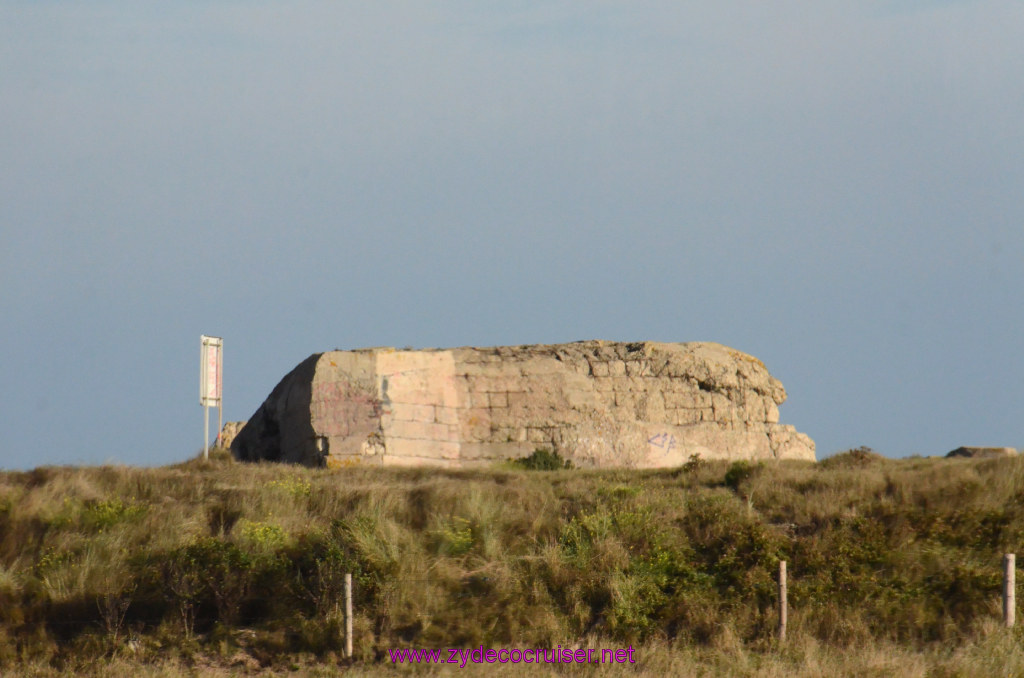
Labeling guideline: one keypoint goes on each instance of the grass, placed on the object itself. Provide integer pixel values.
(217, 568)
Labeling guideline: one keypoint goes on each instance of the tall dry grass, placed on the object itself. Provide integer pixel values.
(894, 565)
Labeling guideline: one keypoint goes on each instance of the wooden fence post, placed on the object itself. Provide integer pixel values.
(783, 603)
(348, 614)
(1009, 589)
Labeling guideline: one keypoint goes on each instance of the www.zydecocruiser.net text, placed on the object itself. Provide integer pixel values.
(479, 655)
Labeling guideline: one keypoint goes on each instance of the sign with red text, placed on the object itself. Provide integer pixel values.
(211, 369)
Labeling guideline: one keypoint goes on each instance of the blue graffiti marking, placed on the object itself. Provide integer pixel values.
(665, 441)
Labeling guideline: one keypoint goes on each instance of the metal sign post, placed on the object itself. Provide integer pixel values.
(211, 371)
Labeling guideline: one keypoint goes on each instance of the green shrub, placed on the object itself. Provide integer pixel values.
(543, 459)
(295, 487)
(739, 472)
(104, 514)
(454, 537)
(261, 536)
(859, 457)
(694, 464)
(319, 562)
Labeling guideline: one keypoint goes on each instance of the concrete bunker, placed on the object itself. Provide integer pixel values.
(599, 403)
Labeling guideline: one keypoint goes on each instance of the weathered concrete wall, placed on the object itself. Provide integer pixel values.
(600, 403)
(281, 429)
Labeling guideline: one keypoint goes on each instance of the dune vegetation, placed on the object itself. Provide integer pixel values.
(220, 568)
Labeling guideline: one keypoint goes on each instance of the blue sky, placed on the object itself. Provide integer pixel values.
(833, 187)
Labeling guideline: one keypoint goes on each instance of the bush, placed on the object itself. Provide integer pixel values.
(739, 472)
(859, 457)
(543, 459)
(694, 465)
(206, 568)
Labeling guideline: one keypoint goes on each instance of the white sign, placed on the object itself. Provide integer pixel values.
(211, 369)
